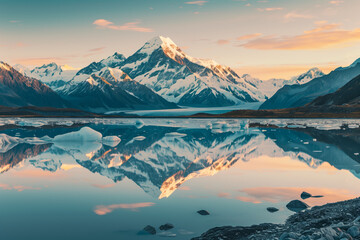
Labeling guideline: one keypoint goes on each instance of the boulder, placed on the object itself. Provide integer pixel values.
(354, 231)
(297, 206)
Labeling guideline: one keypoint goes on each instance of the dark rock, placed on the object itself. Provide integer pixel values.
(203, 212)
(354, 231)
(166, 226)
(297, 206)
(148, 230)
(305, 195)
(272, 209)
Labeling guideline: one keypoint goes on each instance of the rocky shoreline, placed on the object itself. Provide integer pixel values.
(335, 221)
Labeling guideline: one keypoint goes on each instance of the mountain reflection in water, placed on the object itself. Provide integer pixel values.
(160, 158)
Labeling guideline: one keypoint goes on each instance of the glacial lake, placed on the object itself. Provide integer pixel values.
(109, 178)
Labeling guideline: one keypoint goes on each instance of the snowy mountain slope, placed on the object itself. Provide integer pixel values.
(51, 74)
(113, 61)
(271, 86)
(19, 90)
(299, 95)
(110, 89)
(179, 78)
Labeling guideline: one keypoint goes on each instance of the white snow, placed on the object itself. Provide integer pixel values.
(85, 134)
(111, 141)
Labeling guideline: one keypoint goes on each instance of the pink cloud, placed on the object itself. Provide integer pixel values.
(223, 42)
(249, 36)
(270, 9)
(105, 209)
(130, 26)
(18, 188)
(199, 3)
(336, 2)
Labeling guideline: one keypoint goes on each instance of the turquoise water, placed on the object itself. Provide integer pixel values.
(164, 171)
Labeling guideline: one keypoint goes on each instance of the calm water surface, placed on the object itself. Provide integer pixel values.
(163, 171)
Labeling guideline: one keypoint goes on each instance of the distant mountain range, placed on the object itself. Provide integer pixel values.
(19, 90)
(299, 95)
(161, 76)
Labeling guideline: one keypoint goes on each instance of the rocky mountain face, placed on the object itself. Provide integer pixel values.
(18, 90)
(348, 95)
(299, 95)
(110, 89)
(162, 66)
(50, 74)
(271, 86)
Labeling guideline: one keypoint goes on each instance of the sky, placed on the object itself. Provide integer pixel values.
(264, 38)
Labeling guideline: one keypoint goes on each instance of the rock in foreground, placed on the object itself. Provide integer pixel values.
(332, 221)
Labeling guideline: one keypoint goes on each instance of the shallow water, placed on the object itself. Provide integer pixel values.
(164, 171)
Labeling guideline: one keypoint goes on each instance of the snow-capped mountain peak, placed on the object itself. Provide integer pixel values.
(113, 61)
(308, 76)
(5, 66)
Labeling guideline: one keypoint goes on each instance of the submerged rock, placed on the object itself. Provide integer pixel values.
(297, 206)
(203, 212)
(272, 209)
(148, 230)
(166, 226)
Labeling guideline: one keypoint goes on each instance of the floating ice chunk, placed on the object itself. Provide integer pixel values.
(111, 141)
(85, 134)
(175, 134)
(32, 123)
(139, 123)
(139, 138)
(65, 123)
(220, 125)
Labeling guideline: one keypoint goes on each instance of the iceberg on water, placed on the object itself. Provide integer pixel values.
(85, 134)
(111, 141)
(175, 134)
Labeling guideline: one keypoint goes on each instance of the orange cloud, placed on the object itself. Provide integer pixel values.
(18, 188)
(323, 36)
(281, 194)
(336, 2)
(130, 26)
(199, 3)
(103, 210)
(249, 36)
(223, 42)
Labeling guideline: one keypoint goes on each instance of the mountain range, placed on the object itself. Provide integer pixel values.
(161, 76)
